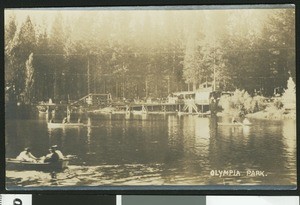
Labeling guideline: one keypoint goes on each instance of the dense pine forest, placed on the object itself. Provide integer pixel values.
(64, 55)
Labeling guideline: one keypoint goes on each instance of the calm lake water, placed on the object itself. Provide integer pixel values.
(157, 149)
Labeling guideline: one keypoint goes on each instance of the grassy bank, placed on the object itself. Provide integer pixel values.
(273, 114)
(270, 114)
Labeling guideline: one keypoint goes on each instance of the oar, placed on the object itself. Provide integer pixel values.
(71, 156)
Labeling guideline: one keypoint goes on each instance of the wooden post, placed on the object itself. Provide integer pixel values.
(127, 108)
(144, 109)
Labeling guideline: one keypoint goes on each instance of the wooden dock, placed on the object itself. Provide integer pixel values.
(98, 102)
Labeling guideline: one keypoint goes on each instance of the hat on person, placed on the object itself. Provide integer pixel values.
(54, 146)
(27, 149)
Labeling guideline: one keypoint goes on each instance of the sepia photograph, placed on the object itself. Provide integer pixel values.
(184, 97)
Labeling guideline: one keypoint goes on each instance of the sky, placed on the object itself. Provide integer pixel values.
(213, 23)
(212, 17)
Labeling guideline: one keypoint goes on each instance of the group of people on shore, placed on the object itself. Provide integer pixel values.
(54, 156)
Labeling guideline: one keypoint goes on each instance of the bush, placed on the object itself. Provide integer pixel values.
(225, 102)
(255, 104)
(241, 102)
(289, 95)
(278, 104)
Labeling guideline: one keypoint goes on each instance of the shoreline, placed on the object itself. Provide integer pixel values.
(265, 114)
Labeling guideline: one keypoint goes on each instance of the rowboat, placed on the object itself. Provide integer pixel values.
(58, 125)
(14, 164)
(234, 124)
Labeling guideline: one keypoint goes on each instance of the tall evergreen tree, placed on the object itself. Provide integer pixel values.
(43, 83)
(279, 40)
(57, 54)
(29, 80)
(10, 31)
(23, 44)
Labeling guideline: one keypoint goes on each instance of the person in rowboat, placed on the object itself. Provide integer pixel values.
(60, 154)
(52, 157)
(26, 156)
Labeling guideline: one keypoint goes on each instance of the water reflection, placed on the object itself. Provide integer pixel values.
(119, 149)
(246, 131)
(289, 141)
(89, 139)
(289, 135)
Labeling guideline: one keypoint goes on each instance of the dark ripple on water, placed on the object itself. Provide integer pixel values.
(121, 175)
